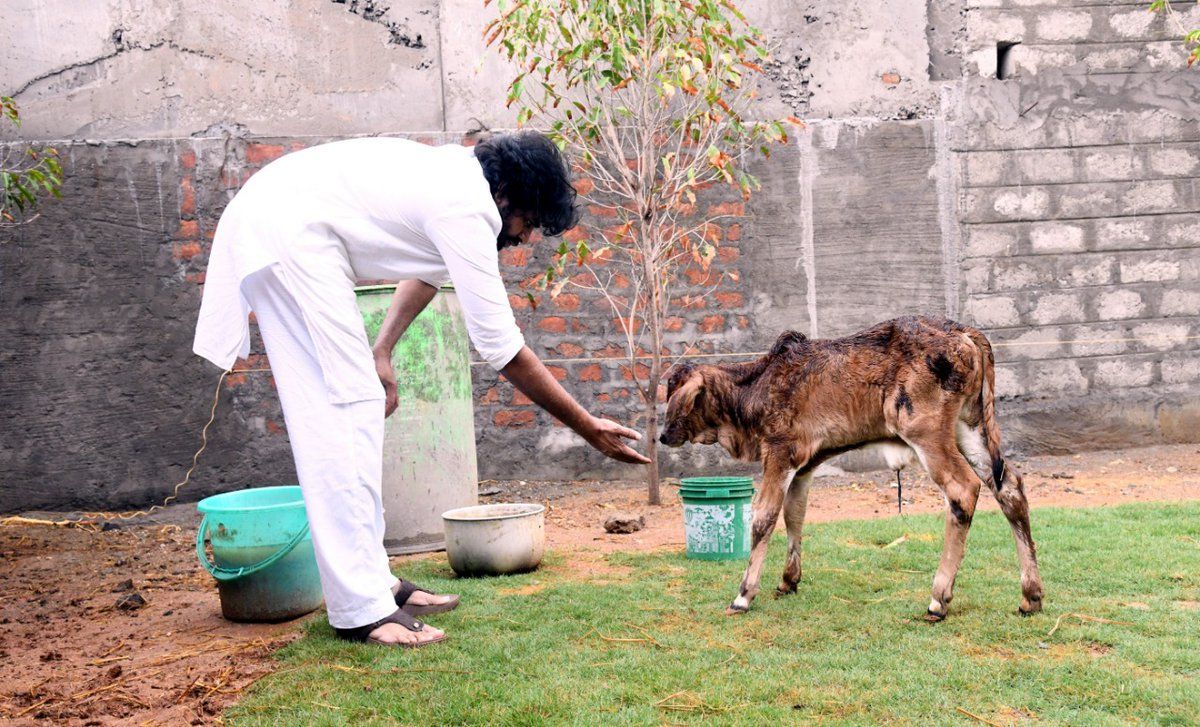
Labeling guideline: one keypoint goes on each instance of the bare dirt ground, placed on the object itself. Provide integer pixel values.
(79, 647)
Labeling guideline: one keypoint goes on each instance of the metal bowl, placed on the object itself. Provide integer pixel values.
(491, 540)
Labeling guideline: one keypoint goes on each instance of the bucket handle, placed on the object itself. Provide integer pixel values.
(222, 573)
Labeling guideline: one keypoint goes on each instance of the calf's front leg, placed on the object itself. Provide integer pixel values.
(767, 503)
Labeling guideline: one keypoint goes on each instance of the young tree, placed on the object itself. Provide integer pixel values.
(25, 175)
(649, 98)
(1191, 38)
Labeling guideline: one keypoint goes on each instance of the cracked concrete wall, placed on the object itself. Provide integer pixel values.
(141, 69)
(1054, 209)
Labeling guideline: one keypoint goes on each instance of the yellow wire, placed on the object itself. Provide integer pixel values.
(212, 415)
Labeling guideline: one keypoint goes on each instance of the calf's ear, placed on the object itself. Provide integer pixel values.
(684, 398)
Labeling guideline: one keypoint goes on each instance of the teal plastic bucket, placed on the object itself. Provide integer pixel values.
(717, 517)
(262, 554)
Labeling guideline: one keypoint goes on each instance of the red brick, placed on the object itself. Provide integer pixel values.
(519, 399)
(233, 381)
(697, 276)
(890, 79)
(620, 282)
(553, 324)
(712, 324)
(187, 197)
(612, 350)
(734, 232)
(743, 322)
(712, 233)
(558, 372)
(728, 254)
(732, 209)
(603, 398)
(591, 372)
(188, 230)
(187, 160)
(622, 324)
(730, 300)
(570, 350)
(187, 250)
(596, 210)
(491, 396)
(583, 185)
(197, 278)
(259, 154)
(518, 302)
(642, 370)
(517, 257)
(694, 302)
(567, 301)
(273, 427)
(674, 324)
(510, 418)
(574, 235)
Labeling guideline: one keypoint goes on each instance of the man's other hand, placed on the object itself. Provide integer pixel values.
(387, 377)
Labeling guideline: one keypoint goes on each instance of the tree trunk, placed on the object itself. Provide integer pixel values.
(652, 452)
(655, 323)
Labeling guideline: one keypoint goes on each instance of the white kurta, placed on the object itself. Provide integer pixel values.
(360, 209)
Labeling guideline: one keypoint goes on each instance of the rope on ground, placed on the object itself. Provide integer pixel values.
(92, 516)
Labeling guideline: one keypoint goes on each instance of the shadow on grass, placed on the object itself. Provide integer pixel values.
(569, 645)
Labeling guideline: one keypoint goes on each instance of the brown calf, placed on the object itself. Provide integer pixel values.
(910, 385)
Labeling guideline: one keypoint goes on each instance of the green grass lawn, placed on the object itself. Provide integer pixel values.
(849, 648)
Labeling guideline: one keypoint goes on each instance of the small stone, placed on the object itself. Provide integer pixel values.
(130, 602)
(890, 78)
(624, 523)
(1172, 470)
(124, 586)
(109, 526)
(115, 672)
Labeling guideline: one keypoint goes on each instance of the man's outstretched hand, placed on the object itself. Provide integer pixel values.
(606, 436)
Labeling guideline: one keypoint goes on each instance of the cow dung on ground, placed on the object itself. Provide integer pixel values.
(624, 523)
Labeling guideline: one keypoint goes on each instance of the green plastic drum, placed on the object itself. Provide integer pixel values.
(429, 463)
(717, 517)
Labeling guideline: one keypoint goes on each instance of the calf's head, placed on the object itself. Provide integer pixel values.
(691, 412)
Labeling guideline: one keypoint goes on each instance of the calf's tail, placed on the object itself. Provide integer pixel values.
(987, 403)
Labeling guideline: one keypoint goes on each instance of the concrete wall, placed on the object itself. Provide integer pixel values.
(1055, 209)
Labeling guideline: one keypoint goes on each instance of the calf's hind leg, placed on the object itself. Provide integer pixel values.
(961, 485)
(1011, 495)
(795, 503)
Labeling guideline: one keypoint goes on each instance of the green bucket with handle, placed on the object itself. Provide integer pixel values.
(262, 554)
(717, 516)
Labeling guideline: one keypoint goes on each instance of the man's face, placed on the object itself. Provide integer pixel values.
(515, 229)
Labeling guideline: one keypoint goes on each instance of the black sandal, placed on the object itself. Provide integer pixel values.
(407, 588)
(362, 634)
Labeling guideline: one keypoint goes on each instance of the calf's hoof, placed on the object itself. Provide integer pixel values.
(785, 589)
(1030, 606)
(740, 605)
(936, 612)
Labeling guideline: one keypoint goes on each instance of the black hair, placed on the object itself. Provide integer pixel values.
(527, 170)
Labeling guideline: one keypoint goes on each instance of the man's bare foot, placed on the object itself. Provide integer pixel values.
(421, 598)
(397, 634)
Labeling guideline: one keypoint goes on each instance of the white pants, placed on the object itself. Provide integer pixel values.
(338, 449)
